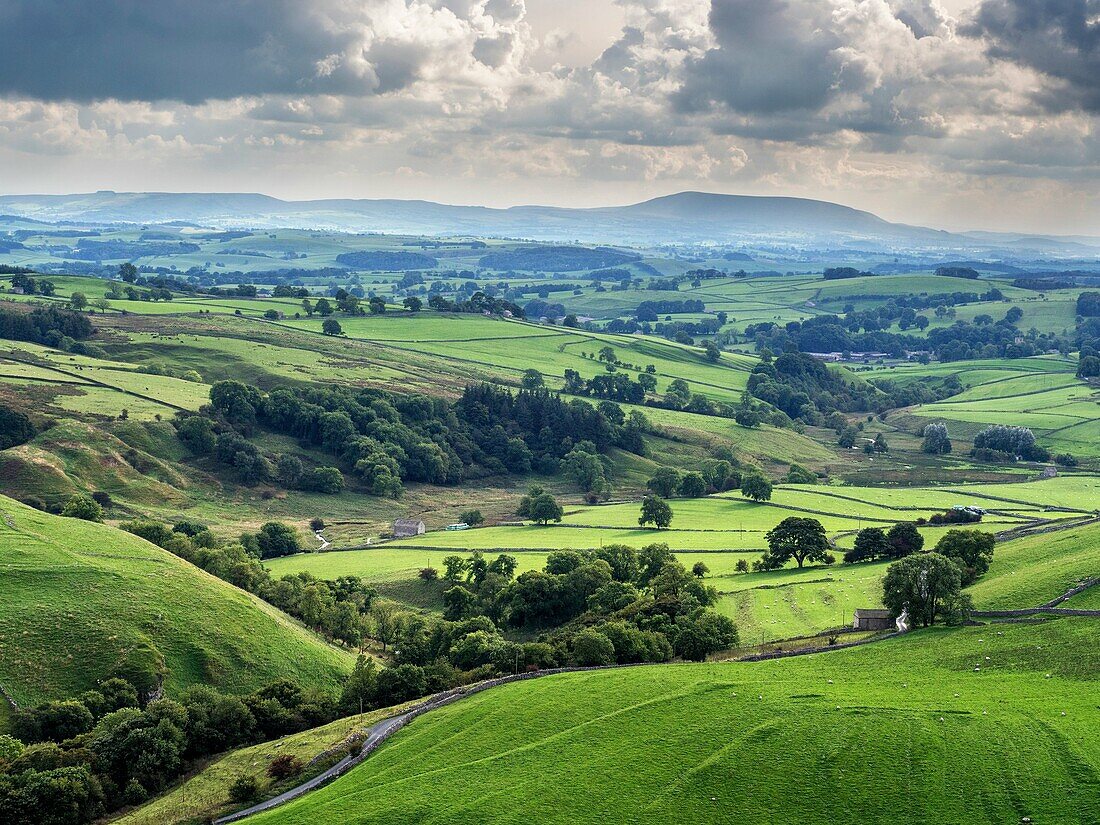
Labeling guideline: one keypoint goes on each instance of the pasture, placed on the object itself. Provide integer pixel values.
(102, 599)
(724, 529)
(906, 729)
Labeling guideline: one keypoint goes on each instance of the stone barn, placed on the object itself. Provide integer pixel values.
(405, 527)
(868, 619)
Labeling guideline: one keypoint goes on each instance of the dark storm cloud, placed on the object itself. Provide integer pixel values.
(187, 50)
(772, 57)
(1060, 38)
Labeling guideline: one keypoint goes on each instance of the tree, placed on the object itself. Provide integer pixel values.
(746, 416)
(387, 621)
(847, 437)
(428, 575)
(458, 603)
(275, 539)
(699, 569)
(592, 648)
(711, 351)
(472, 517)
(936, 440)
(78, 301)
(971, 550)
(655, 511)
(756, 487)
(128, 272)
(15, 428)
(1088, 367)
(330, 326)
(289, 470)
(801, 539)
(413, 304)
(83, 507)
(323, 307)
(532, 379)
(665, 482)
(870, 544)
(904, 540)
(693, 485)
(377, 305)
(607, 355)
(544, 508)
(454, 568)
(927, 585)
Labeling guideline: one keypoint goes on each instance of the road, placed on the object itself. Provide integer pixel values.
(376, 733)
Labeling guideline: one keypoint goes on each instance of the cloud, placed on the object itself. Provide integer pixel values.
(1059, 38)
(199, 50)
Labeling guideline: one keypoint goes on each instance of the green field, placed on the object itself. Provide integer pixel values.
(903, 730)
(83, 599)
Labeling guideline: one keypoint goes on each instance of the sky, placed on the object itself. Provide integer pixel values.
(960, 114)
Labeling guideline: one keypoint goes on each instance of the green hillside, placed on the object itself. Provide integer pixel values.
(82, 600)
(905, 730)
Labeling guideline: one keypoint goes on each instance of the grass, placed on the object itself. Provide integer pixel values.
(1034, 570)
(902, 730)
(205, 795)
(82, 599)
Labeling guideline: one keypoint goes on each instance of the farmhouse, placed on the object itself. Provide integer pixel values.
(405, 527)
(868, 619)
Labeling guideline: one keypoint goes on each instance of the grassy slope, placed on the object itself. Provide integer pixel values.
(1031, 571)
(903, 730)
(80, 598)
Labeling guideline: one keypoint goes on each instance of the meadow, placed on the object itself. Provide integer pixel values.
(102, 599)
(974, 725)
(722, 530)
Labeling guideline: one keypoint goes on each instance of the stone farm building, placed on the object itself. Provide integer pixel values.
(867, 619)
(405, 527)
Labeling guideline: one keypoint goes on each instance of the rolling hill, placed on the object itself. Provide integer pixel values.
(681, 217)
(970, 725)
(83, 601)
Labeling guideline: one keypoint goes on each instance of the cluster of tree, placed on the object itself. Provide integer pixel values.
(50, 325)
(1088, 366)
(837, 273)
(873, 543)
(683, 332)
(387, 439)
(713, 476)
(72, 761)
(803, 387)
(1088, 304)
(212, 436)
(652, 310)
(634, 592)
(30, 286)
(929, 585)
(1006, 442)
(936, 440)
(380, 260)
(957, 272)
(479, 303)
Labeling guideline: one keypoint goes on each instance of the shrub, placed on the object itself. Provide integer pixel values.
(284, 766)
(245, 788)
(83, 507)
(590, 648)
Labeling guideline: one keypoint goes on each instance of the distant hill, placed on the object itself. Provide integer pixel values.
(682, 217)
(83, 600)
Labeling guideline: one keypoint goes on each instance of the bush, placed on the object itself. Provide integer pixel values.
(284, 766)
(591, 648)
(245, 788)
(83, 507)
